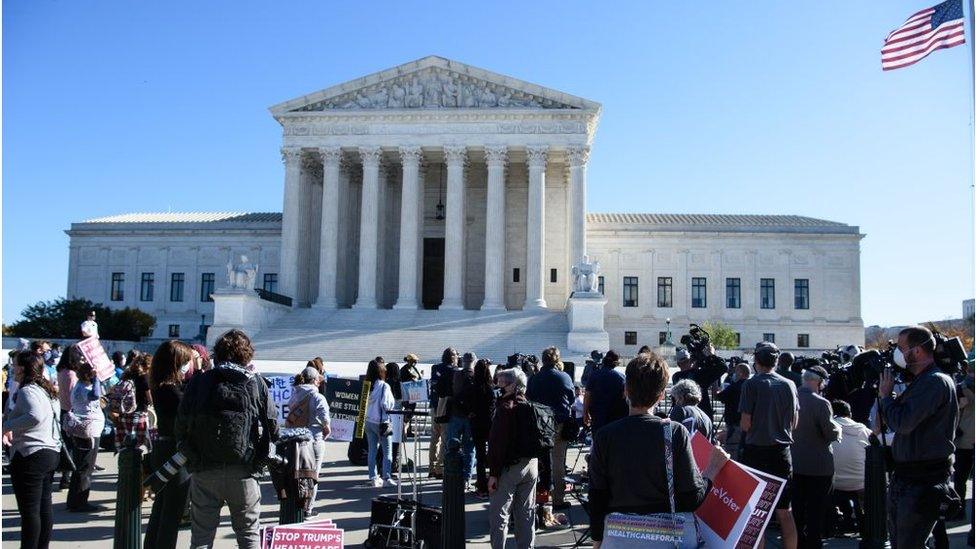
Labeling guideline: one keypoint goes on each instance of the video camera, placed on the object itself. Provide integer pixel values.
(867, 366)
(527, 363)
(699, 343)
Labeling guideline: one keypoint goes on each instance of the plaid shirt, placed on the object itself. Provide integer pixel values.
(137, 424)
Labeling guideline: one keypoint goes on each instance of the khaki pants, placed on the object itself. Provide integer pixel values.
(514, 496)
(210, 490)
(435, 454)
(560, 445)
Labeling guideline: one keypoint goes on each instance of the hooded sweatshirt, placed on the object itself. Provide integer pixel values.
(308, 408)
(849, 454)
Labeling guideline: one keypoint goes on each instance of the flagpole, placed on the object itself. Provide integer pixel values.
(972, 122)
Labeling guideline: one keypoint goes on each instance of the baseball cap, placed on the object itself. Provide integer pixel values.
(819, 370)
(310, 373)
(682, 354)
(766, 349)
(411, 358)
(469, 358)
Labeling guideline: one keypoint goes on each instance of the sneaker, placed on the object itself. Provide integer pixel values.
(389, 483)
(373, 483)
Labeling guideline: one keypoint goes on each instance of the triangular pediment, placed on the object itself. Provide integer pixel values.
(434, 83)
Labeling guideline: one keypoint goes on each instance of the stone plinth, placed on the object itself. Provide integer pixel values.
(243, 310)
(585, 314)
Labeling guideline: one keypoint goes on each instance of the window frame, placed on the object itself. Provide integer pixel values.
(171, 333)
(630, 338)
(769, 337)
(177, 287)
(767, 292)
(699, 284)
(802, 341)
(270, 279)
(733, 283)
(117, 287)
(801, 294)
(665, 283)
(204, 283)
(631, 289)
(600, 285)
(147, 287)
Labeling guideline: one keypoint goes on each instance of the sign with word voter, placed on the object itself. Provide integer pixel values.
(320, 534)
(91, 348)
(738, 508)
(343, 395)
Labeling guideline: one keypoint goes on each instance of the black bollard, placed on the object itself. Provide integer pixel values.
(128, 501)
(452, 534)
(875, 526)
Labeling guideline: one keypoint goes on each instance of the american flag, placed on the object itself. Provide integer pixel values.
(941, 26)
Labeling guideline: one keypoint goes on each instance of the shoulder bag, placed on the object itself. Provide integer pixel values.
(656, 530)
(65, 462)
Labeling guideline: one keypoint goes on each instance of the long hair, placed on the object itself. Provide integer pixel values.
(166, 362)
(482, 373)
(376, 370)
(139, 367)
(32, 366)
(392, 372)
(70, 358)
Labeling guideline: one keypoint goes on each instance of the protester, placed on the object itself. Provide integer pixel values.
(553, 387)
(393, 380)
(89, 328)
(849, 457)
(482, 406)
(84, 423)
(603, 401)
(51, 359)
(33, 433)
(379, 431)
(136, 423)
(449, 360)
(705, 375)
(118, 360)
(924, 418)
(319, 366)
(308, 408)
(225, 426)
(813, 461)
(732, 438)
(628, 468)
(67, 378)
(785, 368)
(513, 470)
(459, 425)
(169, 365)
(687, 394)
(963, 467)
(578, 407)
(769, 407)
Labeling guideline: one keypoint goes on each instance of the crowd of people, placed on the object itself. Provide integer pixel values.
(514, 423)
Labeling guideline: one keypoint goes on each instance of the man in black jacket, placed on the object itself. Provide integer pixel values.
(446, 368)
(225, 427)
(554, 388)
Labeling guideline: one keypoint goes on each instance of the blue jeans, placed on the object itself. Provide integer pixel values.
(374, 441)
(460, 428)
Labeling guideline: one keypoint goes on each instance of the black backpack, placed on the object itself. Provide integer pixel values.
(226, 427)
(536, 426)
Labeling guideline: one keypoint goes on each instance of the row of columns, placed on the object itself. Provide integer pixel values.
(411, 224)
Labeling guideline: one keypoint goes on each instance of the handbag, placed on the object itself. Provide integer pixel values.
(66, 463)
(79, 427)
(655, 530)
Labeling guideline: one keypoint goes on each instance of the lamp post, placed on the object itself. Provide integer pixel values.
(668, 341)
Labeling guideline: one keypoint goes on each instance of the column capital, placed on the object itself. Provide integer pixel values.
(496, 154)
(291, 155)
(370, 155)
(537, 154)
(330, 156)
(456, 154)
(578, 155)
(411, 154)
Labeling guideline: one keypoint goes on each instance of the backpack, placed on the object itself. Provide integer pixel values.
(536, 429)
(226, 427)
(121, 399)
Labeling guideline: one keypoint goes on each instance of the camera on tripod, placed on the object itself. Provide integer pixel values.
(699, 343)
(866, 367)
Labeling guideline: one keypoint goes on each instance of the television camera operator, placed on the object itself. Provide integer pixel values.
(700, 364)
(923, 418)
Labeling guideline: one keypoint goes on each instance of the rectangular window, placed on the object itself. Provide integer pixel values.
(767, 293)
(174, 330)
(176, 286)
(662, 337)
(118, 287)
(147, 287)
(738, 339)
(802, 340)
(630, 338)
(599, 283)
(698, 293)
(664, 291)
(515, 274)
(206, 286)
(771, 338)
(270, 282)
(801, 293)
(733, 293)
(552, 275)
(630, 291)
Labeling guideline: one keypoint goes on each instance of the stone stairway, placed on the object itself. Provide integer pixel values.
(359, 335)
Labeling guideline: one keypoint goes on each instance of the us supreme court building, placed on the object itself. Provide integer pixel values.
(436, 204)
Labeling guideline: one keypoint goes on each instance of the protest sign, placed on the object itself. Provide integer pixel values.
(737, 508)
(321, 534)
(360, 431)
(279, 389)
(91, 349)
(415, 391)
(343, 396)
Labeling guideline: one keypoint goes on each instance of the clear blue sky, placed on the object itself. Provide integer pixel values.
(748, 107)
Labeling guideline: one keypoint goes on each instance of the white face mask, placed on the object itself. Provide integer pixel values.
(185, 368)
(899, 359)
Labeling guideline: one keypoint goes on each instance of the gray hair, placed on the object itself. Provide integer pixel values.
(688, 391)
(809, 375)
(516, 376)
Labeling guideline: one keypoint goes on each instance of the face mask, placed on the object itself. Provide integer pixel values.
(185, 368)
(899, 359)
(498, 392)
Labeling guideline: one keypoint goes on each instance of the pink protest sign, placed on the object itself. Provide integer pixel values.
(321, 534)
(93, 352)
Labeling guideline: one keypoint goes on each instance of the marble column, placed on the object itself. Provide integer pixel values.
(290, 223)
(495, 157)
(368, 228)
(329, 240)
(578, 157)
(536, 229)
(410, 157)
(454, 228)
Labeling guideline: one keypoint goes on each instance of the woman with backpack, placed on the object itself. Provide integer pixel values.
(84, 424)
(379, 429)
(308, 408)
(34, 432)
(482, 402)
(170, 363)
(133, 388)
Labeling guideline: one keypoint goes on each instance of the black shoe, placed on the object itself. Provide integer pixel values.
(87, 508)
(99, 467)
